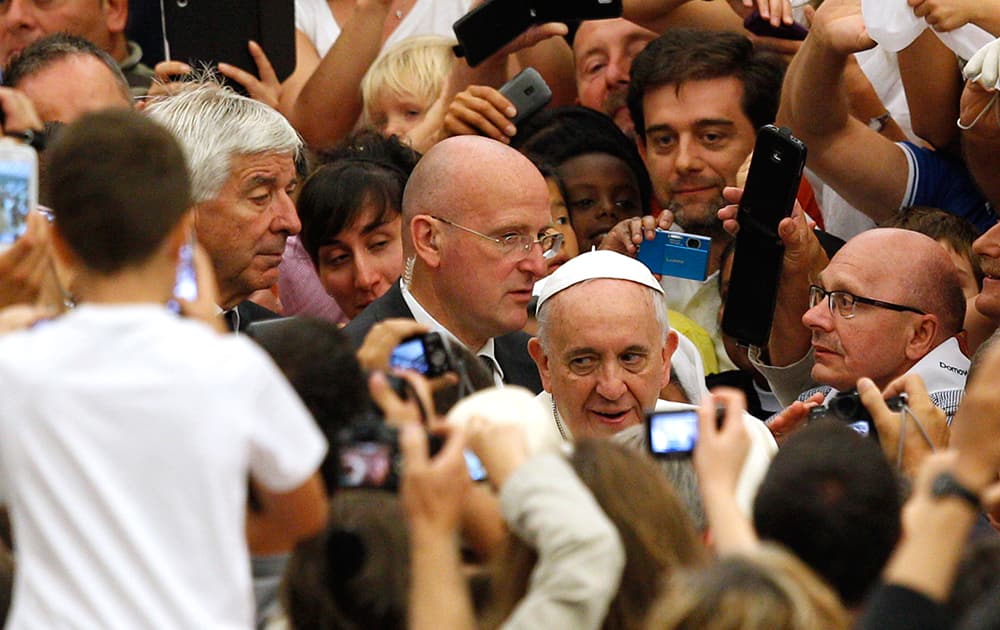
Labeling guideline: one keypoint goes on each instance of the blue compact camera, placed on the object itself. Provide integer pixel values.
(676, 254)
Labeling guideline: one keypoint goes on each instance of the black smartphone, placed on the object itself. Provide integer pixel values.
(213, 31)
(759, 26)
(426, 353)
(495, 23)
(768, 197)
(528, 92)
(674, 434)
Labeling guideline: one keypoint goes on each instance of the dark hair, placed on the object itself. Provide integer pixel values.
(366, 169)
(831, 497)
(355, 574)
(954, 230)
(681, 55)
(43, 52)
(118, 184)
(318, 360)
(554, 136)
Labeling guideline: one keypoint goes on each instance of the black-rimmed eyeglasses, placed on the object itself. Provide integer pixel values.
(844, 302)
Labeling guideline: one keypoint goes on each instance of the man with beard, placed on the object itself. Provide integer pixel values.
(697, 100)
(603, 51)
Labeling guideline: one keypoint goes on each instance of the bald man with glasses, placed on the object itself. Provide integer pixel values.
(476, 236)
(888, 303)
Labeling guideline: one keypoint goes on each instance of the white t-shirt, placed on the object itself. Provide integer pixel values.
(127, 435)
(427, 17)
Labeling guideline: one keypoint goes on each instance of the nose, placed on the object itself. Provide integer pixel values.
(610, 384)
(819, 316)
(19, 13)
(688, 156)
(286, 218)
(534, 263)
(989, 243)
(395, 126)
(366, 276)
(616, 74)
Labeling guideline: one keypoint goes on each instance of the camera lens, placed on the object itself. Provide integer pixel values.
(776, 157)
(694, 243)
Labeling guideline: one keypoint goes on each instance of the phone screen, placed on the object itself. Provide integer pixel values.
(186, 282)
(673, 433)
(16, 198)
(410, 355)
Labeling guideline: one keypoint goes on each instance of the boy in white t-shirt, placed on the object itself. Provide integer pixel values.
(127, 432)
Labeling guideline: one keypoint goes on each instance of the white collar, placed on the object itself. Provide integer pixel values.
(421, 315)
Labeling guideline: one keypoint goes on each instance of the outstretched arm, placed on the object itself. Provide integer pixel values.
(867, 169)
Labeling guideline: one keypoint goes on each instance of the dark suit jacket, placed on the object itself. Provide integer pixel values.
(249, 313)
(511, 349)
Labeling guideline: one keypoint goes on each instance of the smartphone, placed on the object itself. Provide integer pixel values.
(768, 197)
(528, 92)
(425, 353)
(676, 254)
(207, 32)
(186, 280)
(759, 26)
(495, 23)
(18, 189)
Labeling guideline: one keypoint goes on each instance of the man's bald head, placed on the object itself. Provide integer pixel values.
(918, 273)
(457, 174)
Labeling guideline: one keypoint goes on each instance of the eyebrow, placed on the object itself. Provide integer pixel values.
(374, 225)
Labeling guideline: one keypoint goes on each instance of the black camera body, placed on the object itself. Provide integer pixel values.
(848, 408)
(427, 354)
(370, 456)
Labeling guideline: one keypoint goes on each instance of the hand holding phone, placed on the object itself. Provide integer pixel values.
(768, 197)
(527, 92)
(18, 189)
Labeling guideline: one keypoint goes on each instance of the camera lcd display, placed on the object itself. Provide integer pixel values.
(673, 432)
(410, 355)
(366, 465)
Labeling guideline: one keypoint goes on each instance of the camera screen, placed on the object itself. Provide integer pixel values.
(15, 199)
(861, 427)
(409, 355)
(673, 432)
(366, 465)
(477, 472)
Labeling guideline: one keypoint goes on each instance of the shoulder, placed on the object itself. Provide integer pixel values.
(389, 305)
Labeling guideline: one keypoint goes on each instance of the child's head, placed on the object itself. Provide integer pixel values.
(404, 82)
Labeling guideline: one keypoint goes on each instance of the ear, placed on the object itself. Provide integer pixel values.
(923, 337)
(669, 347)
(425, 237)
(542, 361)
(115, 15)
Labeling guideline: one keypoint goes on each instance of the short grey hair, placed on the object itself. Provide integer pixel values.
(659, 304)
(214, 124)
(51, 49)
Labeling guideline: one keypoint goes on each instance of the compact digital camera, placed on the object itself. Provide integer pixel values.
(427, 353)
(676, 254)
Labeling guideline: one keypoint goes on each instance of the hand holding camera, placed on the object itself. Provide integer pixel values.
(433, 488)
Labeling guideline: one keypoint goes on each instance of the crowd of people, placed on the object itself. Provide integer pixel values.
(203, 418)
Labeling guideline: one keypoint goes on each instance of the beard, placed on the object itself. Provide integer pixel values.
(699, 218)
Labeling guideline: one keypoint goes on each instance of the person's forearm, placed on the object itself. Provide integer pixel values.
(790, 339)
(927, 557)
(328, 106)
(730, 529)
(988, 16)
(933, 84)
(813, 97)
(439, 597)
(982, 156)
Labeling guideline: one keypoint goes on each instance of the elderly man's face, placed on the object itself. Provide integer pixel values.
(245, 226)
(604, 362)
(68, 88)
(873, 342)
(24, 21)
(603, 51)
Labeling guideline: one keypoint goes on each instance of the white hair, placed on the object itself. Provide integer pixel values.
(214, 124)
(659, 305)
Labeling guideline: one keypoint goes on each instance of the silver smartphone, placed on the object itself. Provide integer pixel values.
(18, 188)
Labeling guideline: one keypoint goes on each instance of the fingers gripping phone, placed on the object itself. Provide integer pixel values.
(528, 92)
(768, 197)
(18, 189)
